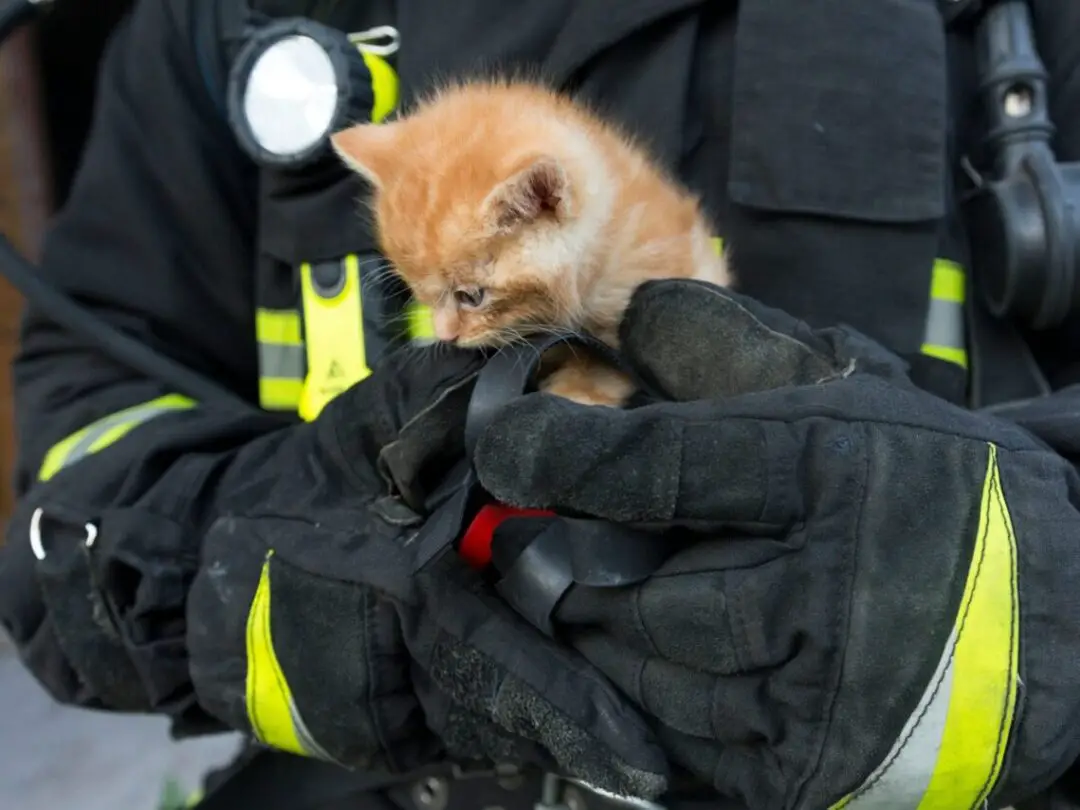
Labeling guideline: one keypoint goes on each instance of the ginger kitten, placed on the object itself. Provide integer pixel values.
(509, 209)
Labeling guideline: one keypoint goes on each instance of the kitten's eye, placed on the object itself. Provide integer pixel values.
(470, 297)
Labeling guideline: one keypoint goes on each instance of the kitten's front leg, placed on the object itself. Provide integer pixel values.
(582, 379)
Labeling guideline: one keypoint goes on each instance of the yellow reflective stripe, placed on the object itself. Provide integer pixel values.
(107, 431)
(986, 661)
(288, 377)
(947, 281)
(336, 357)
(717, 245)
(274, 718)
(282, 361)
(384, 86)
(947, 353)
(280, 394)
(421, 325)
(945, 336)
(278, 326)
(950, 752)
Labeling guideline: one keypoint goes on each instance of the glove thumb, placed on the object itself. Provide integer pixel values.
(693, 340)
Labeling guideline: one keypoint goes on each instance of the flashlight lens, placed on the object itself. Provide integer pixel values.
(291, 96)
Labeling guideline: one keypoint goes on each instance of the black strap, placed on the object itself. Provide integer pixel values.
(460, 496)
(511, 372)
(507, 375)
(964, 13)
(554, 554)
(957, 12)
(218, 28)
(539, 576)
(559, 553)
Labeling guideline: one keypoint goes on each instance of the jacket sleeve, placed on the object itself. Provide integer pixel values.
(156, 238)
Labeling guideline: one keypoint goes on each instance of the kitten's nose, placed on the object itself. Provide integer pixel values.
(447, 325)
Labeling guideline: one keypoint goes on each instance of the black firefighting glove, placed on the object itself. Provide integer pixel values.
(307, 627)
(872, 597)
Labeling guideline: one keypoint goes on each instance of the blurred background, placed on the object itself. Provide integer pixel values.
(53, 757)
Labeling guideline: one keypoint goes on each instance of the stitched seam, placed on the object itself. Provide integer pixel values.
(680, 449)
(369, 604)
(640, 619)
(253, 710)
(278, 672)
(841, 617)
(835, 414)
(738, 639)
(999, 498)
(937, 687)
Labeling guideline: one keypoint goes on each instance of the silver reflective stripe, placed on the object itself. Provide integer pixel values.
(945, 336)
(280, 360)
(95, 432)
(901, 782)
(102, 433)
(945, 324)
(304, 735)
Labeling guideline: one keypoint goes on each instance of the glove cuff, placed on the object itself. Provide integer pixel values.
(306, 662)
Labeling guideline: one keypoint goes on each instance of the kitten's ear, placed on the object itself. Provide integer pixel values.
(370, 150)
(542, 188)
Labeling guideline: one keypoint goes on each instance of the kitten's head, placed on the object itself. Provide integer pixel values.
(489, 200)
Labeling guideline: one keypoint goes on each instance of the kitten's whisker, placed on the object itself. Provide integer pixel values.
(380, 274)
(381, 260)
(378, 271)
(391, 296)
(556, 330)
(524, 338)
(509, 336)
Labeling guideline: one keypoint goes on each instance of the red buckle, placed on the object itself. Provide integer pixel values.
(475, 545)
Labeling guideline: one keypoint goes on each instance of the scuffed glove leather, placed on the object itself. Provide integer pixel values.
(307, 626)
(872, 596)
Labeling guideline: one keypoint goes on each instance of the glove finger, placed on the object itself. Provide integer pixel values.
(740, 772)
(647, 465)
(488, 659)
(694, 340)
(684, 699)
(470, 735)
(693, 609)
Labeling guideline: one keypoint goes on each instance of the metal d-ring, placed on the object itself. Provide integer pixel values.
(35, 534)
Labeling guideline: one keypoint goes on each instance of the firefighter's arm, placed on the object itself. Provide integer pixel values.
(156, 238)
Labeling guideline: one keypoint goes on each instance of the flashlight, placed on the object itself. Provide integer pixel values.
(293, 84)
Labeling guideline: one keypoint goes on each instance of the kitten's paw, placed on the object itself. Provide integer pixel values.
(591, 385)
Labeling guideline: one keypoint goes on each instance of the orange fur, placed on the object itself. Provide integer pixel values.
(510, 209)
